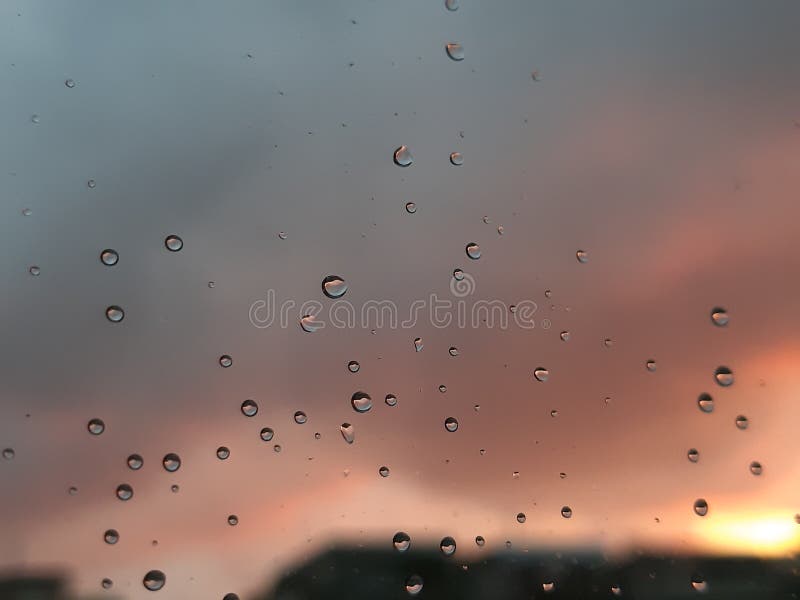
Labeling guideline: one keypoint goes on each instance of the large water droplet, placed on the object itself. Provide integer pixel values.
(455, 51)
(700, 507)
(414, 585)
(348, 432)
(756, 468)
(171, 462)
(456, 159)
(225, 361)
(111, 536)
(705, 402)
(124, 491)
(566, 512)
(391, 400)
(361, 402)
(233, 520)
(109, 257)
(134, 462)
(334, 286)
(267, 433)
(383, 471)
(115, 314)
(411, 208)
(403, 157)
(719, 316)
(249, 408)
(223, 453)
(451, 424)
(401, 541)
(473, 251)
(154, 580)
(308, 323)
(173, 243)
(723, 376)
(447, 546)
(300, 417)
(96, 426)
(742, 422)
(693, 455)
(541, 374)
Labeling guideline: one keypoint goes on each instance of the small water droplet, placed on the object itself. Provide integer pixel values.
(458, 274)
(106, 583)
(109, 257)
(361, 402)
(515, 475)
(173, 243)
(756, 468)
(8, 453)
(447, 546)
(225, 361)
(401, 541)
(70, 83)
(34, 270)
(124, 491)
(27, 212)
(277, 448)
(115, 314)
(414, 585)
(479, 541)
(233, 520)
(383, 471)
(742, 422)
(699, 584)
(267, 433)
(35, 118)
(134, 462)
(451, 424)
(300, 417)
(353, 366)
(72, 490)
(582, 256)
(723, 376)
(96, 426)
(562, 475)
(473, 251)
(719, 316)
(111, 536)
(348, 432)
(521, 518)
(411, 208)
(486, 219)
(693, 455)
(442, 388)
(418, 345)
(171, 462)
(403, 157)
(541, 374)
(456, 159)
(91, 184)
(453, 351)
(616, 590)
(651, 365)
(700, 507)
(500, 230)
(451, 4)
(223, 453)
(249, 408)
(334, 286)
(608, 342)
(175, 488)
(282, 235)
(391, 400)
(308, 323)
(548, 293)
(476, 407)
(566, 512)
(211, 284)
(705, 402)
(536, 75)
(154, 580)
(565, 335)
(455, 51)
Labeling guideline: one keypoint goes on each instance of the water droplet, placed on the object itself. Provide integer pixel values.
(249, 408)
(403, 157)
(451, 424)
(479, 541)
(91, 184)
(225, 361)
(353, 366)
(442, 388)
(414, 585)
(267, 433)
(96, 426)
(107, 584)
(548, 587)
(175, 488)
(418, 345)
(705, 402)
(230, 596)
(455, 51)
(451, 4)
(411, 208)
(616, 590)
(541, 374)
(476, 407)
(34, 270)
(548, 293)
(361, 402)
(699, 584)
(447, 546)
(473, 251)
(211, 284)
(521, 518)
(500, 230)
(700, 507)
(282, 235)
(309, 324)
(719, 316)
(756, 468)
(582, 256)
(223, 453)
(111, 536)
(401, 541)
(171, 462)
(608, 342)
(456, 159)
(742, 422)
(453, 351)
(300, 417)
(109, 257)
(334, 286)
(27, 212)
(70, 83)
(723, 376)
(35, 118)
(8, 453)
(277, 448)
(693, 455)
(383, 471)
(154, 580)
(72, 490)
(173, 243)
(391, 400)
(134, 462)
(566, 512)
(348, 432)
(651, 365)
(536, 75)
(233, 520)
(124, 491)
(565, 336)
(115, 314)
(458, 274)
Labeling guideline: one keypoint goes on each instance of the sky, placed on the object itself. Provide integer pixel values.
(662, 139)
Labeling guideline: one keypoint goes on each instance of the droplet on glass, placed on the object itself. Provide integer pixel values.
(608, 342)
(8, 453)
(411, 208)
(115, 314)
(174, 488)
(230, 596)
(225, 361)
(401, 541)
(566, 512)
(414, 585)
(742, 422)
(391, 400)
(249, 408)
(473, 251)
(96, 426)
(723, 376)
(72, 490)
(361, 402)
(34, 270)
(456, 159)
(455, 51)
(173, 243)
(616, 590)
(282, 235)
(651, 365)
(548, 586)
(554, 413)
(35, 118)
(479, 541)
(154, 580)
(300, 417)
(109, 257)
(700, 507)
(171, 462)
(458, 274)
(447, 546)
(277, 448)
(70, 83)
(565, 335)
(134, 462)
(705, 402)
(451, 424)
(383, 471)
(756, 468)
(521, 518)
(699, 584)
(308, 323)
(27, 212)
(124, 491)
(541, 374)
(443, 388)
(453, 351)
(451, 4)
(719, 316)
(500, 230)
(111, 536)
(348, 432)
(693, 455)
(233, 520)
(267, 433)
(106, 583)
(582, 256)
(334, 286)
(91, 184)
(353, 366)
(403, 157)
(418, 345)
(223, 453)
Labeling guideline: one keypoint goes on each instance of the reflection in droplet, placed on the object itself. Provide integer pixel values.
(334, 286)
(699, 584)
(171, 462)
(453, 351)
(348, 432)
(401, 541)
(723, 376)
(451, 424)
(233, 520)
(700, 507)
(70, 83)
(443, 388)
(8, 453)
(608, 342)
(719, 316)
(267, 433)
(554, 413)
(473, 251)
(651, 365)
(521, 518)
(742, 422)
(109, 257)
(106, 583)
(447, 546)
(456, 159)
(111, 536)
(361, 402)
(411, 208)
(756, 468)
(403, 157)
(565, 335)
(391, 400)
(174, 488)
(705, 402)
(455, 51)
(582, 256)
(566, 512)
(173, 243)
(115, 314)
(91, 184)
(124, 491)
(693, 455)
(223, 453)
(225, 361)
(300, 417)
(353, 366)
(548, 586)
(414, 585)
(479, 541)
(383, 471)
(72, 490)
(541, 374)
(34, 270)
(154, 580)
(96, 426)
(308, 323)
(418, 345)
(616, 590)
(249, 408)
(135, 462)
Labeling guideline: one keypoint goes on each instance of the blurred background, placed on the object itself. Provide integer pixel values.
(620, 416)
